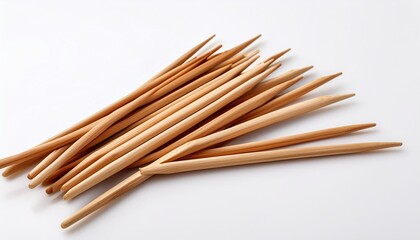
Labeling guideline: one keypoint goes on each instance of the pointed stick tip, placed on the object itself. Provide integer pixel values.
(345, 96)
(336, 74)
(30, 176)
(369, 125)
(278, 55)
(304, 69)
(391, 144)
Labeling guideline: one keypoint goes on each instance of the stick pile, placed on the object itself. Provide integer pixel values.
(179, 121)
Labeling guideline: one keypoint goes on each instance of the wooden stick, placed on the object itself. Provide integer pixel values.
(73, 136)
(140, 114)
(155, 106)
(278, 55)
(221, 121)
(165, 73)
(288, 97)
(201, 143)
(273, 82)
(137, 178)
(180, 103)
(218, 98)
(181, 80)
(252, 125)
(263, 157)
(86, 139)
(280, 142)
(115, 192)
(14, 169)
(47, 161)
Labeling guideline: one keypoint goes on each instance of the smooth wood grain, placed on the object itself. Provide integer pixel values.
(251, 125)
(263, 157)
(218, 98)
(116, 149)
(281, 141)
(289, 97)
(222, 120)
(222, 161)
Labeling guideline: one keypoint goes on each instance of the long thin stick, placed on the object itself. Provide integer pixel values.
(218, 98)
(70, 137)
(262, 157)
(289, 97)
(222, 120)
(283, 154)
(138, 91)
(138, 115)
(281, 141)
(201, 143)
(111, 149)
(252, 125)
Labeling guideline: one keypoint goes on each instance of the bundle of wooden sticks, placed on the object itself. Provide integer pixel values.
(179, 120)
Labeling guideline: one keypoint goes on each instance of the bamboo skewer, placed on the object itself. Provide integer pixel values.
(219, 98)
(141, 114)
(88, 137)
(252, 125)
(222, 120)
(222, 161)
(186, 77)
(176, 107)
(201, 143)
(263, 157)
(280, 142)
(68, 138)
(289, 97)
(166, 72)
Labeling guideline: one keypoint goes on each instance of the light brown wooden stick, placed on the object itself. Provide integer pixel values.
(263, 157)
(180, 103)
(165, 73)
(251, 125)
(273, 82)
(278, 55)
(182, 59)
(288, 97)
(88, 137)
(115, 192)
(137, 178)
(280, 142)
(221, 121)
(73, 136)
(155, 106)
(201, 143)
(17, 168)
(219, 97)
(47, 161)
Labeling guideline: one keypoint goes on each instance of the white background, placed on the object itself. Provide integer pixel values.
(62, 60)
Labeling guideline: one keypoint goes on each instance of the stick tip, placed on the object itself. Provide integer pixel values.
(68, 196)
(369, 125)
(65, 224)
(49, 190)
(5, 174)
(345, 96)
(30, 176)
(31, 185)
(278, 55)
